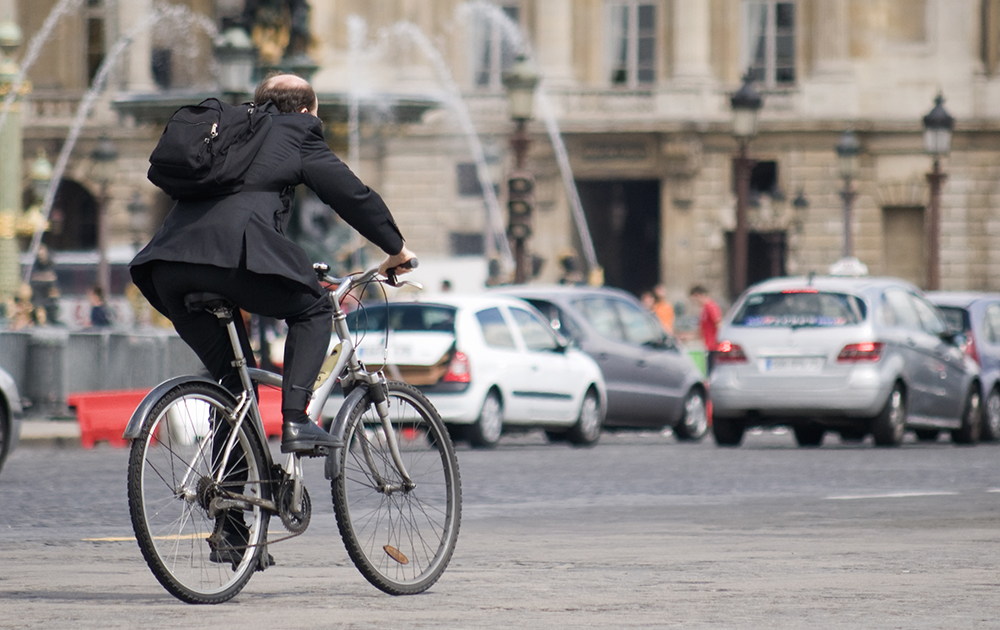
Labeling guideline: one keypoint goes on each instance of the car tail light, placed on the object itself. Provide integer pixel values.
(729, 352)
(969, 348)
(458, 369)
(867, 351)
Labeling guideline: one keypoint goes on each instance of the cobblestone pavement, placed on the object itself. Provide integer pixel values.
(639, 532)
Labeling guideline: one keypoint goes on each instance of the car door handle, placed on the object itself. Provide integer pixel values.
(641, 362)
(603, 356)
(910, 342)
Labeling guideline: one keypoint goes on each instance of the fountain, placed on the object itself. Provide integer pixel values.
(34, 49)
(495, 216)
(357, 31)
(163, 13)
(512, 32)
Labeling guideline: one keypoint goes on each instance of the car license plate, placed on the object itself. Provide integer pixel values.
(807, 365)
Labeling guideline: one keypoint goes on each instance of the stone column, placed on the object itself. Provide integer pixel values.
(10, 166)
(554, 48)
(831, 37)
(139, 73)
(692, 37)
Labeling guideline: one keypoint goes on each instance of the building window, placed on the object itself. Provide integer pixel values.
(95, 37)
(467, 244)
(632, 42)
(468, 180)
(769, 44)
(493, 53)
(161, 64)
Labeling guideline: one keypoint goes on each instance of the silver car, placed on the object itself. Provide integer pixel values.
(10, 416)
(852, 355)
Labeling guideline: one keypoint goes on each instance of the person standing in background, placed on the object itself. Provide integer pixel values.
(662, 308)
(100, 316)
(708, 323)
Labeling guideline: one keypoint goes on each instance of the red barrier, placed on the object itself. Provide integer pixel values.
(103, 416)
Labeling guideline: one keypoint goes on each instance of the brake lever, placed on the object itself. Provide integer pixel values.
(390, 274)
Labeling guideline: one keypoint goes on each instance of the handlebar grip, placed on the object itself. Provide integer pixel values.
(390, 274)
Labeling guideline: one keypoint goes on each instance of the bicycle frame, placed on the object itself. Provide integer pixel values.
(348, 369)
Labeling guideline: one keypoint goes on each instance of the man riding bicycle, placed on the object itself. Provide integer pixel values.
(236, 246)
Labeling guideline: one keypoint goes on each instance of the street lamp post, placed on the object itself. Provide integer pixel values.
(746, 104)
(237, 59)
(137, 211)
(520, 82)
(10, 165)
(848, 150)
(104, 157)
(938, 125)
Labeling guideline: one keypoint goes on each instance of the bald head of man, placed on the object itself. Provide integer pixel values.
(289, 93)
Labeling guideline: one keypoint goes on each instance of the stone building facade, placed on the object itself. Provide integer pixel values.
(640, 92)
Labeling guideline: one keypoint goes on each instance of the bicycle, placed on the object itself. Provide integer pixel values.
(200, 469)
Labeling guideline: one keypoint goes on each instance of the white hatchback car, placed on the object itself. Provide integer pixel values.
(487, 363)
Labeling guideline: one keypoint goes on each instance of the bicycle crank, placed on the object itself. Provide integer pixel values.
(295, 518)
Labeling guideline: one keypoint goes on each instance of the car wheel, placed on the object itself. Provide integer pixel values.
(991, 417)
(888, 427)
(694, 423)
(587, 429)
(6, 434)
(727, 431)
(485, 431)
(808, 434)
(457, 432)
(927, 435)
(972, 421)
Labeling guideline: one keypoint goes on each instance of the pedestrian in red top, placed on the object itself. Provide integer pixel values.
(708, 321)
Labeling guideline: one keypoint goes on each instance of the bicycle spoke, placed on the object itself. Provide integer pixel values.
(172, 486)
(400, 537)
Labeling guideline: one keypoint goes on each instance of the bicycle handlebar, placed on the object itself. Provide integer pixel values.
(350, 281)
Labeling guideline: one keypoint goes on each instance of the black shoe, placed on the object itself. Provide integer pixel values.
(233, 542)
(305, 438)
(229, 544)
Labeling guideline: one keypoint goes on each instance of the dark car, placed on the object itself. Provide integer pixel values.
(10, 416)
(651, 380)
(977, 316)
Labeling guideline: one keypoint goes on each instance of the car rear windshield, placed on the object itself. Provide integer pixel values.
(403, 318)
(800, 308)
(956, 317)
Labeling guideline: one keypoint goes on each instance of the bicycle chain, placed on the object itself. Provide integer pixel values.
(282, 479)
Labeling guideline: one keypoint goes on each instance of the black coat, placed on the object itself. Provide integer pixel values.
(213, 231)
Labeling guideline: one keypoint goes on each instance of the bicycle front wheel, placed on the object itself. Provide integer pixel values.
(400, 536)
(199, 539)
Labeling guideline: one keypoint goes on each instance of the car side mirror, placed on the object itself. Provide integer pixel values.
(953, 337)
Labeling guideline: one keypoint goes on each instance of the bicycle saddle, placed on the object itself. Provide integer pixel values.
(205, 301)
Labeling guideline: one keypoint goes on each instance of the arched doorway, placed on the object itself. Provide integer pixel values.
(73, 219)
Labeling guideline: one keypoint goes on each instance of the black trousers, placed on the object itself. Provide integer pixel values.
(307, 312)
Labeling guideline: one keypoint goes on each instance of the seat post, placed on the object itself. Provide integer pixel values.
(241, 362)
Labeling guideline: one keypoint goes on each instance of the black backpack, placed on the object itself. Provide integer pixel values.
(206, 149)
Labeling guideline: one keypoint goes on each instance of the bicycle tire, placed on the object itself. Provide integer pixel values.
(400, 541)
(168, 506)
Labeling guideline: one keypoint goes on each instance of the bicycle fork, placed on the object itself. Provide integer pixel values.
(378, 391)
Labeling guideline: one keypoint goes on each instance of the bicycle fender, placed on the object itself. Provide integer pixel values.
(134, 426)
(337, 428)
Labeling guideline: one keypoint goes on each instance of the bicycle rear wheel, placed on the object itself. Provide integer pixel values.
(173, 474)
(400, 539)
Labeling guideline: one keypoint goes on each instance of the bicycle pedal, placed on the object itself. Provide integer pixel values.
(319, 451)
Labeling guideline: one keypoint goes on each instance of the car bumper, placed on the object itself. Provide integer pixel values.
(860, 394)
(457, 408)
